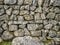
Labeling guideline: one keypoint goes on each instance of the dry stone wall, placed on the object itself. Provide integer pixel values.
(30, 22)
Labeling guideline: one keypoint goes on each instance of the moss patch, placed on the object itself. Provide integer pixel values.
(5, 43)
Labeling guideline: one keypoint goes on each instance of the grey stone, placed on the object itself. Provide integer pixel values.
(22, 7)
(28, 17)
(43, 16)
(58, 34)
(32, 26)
(40, 2)
(37, 16)
(13, 17)
(57, 17)
(9, 11)
(24, 12)
(5, 26)
(35, 2)
(57, 41)
(22, 26)
(27, 7)
(54, 22)
(6, 6)
(38, 10)
(15, 12)
(12, 27)
(9, 1)
(45, 22)
(36, 33)
(1, 39)
(27, 33)
(7, 35)
(1, 30)
(20, 2)
(48, 26)
(19, 32)
(40, 26)
(57, 10)
(20, 18)
(46, 3)
(50, 15)
(27, 40)
(4, 17)
(56, 28)
(57, 3)
(1, 11)
(52, 34)
(16, 7)
(32, 8)
(29, 2)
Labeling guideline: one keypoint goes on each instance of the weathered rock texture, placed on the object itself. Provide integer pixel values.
(30, 22)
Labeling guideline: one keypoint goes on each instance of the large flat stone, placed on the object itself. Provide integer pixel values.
(9, 1)
(27, 40)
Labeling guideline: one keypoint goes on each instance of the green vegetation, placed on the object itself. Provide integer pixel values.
(5, 43)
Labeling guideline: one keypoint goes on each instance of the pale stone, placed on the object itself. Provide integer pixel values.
(9, 11)
(26, 40)
(29, 2)
(19, 32)
(9, 1)
(7, 35)
(35, 33)
(12, 27)
(32, 26)
(1, 11)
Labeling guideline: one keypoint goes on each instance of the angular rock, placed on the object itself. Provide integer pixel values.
(40, 2)
(36, 33)
(37, 16)
(57, 17)
(22, 26)
(38, 10)
(35, 2)
(9, 11)
(1, 30)
(10, 1)
(20, 2)
(51, 16)
(32, 8)
(32, 26)
(48, 26)
(13, 27)
(20, 18)
(27, 40)
(7, 35)
(52, 34)
(57, 3)
(24, 12)
(43, 16)
(58, 34)
(29, 2)
(5, 26)
(27, 33)
(19, 32)
(15, 12)
(56, 28)
(27, 7)
(1, 11)
(1, 39)
(4, 17)
(28, 17)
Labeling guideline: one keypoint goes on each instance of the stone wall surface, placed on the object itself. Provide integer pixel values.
(30, 22)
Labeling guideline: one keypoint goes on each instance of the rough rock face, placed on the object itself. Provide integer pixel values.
(30, 22)
(9, 1)
(27, 40)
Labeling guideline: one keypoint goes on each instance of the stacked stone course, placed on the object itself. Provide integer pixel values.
(30, 22)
